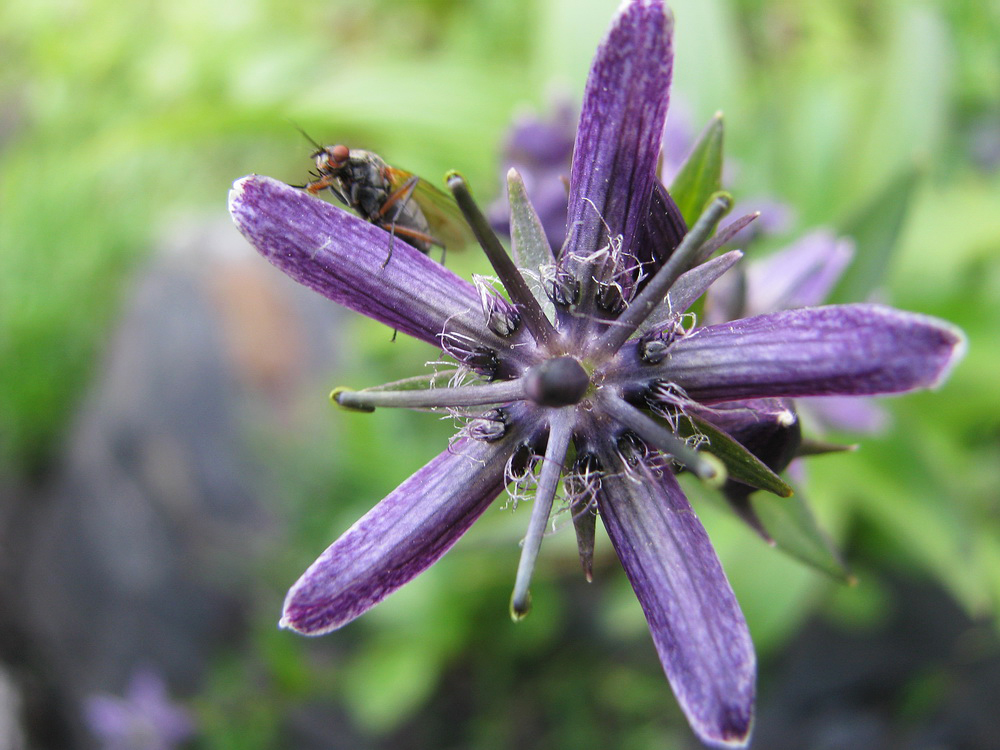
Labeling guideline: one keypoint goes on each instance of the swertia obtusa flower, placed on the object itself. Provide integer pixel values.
(587, 373)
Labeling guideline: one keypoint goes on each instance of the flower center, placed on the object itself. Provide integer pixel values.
(560, 381)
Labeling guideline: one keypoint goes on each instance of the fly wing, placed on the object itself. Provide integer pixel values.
(443, 215)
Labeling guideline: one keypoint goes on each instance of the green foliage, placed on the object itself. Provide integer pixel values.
(792, 525)
(875, 230)
(701, 175)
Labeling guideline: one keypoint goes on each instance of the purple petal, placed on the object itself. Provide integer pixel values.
(540, 149)
(696, 623)
(801, 275)
(662, 232)
(621, 125)
(768, 428)
(145, 717)
(820, 351)
(399, 538)
(341, 256)
(150, 697)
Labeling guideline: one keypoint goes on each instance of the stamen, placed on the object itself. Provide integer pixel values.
(656, 434)
(589, 268)
(500, 392)
(488, 427)
(501, 316)
(534, 318)
(631, 449)
(560, 432)
(472, 354)
(561, 286)
(657, 288)
(653, 348)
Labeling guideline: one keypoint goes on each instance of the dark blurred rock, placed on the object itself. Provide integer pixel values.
(141, 553)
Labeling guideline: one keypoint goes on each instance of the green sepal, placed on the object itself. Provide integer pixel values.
(791, 524)
(876, 229)
(529, 245)
(741, 464)
(417, 382)
(701, 175)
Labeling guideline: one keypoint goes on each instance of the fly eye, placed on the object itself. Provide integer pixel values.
(339, 154)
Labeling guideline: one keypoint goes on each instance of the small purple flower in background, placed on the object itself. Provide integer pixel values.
(145, 719)
(541, 150)
(773, 217)
(678, 138)
(588, 375)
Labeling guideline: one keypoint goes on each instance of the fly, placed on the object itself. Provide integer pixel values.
(400, 202)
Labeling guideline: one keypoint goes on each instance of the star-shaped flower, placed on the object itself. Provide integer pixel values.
(589, 373)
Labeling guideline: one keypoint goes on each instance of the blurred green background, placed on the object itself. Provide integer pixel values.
(121, 123)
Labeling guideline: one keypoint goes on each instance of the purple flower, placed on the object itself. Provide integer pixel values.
(145, 719)
(587, 371)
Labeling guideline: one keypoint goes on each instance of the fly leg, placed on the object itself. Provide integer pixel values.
(397, 200)
(410, 234)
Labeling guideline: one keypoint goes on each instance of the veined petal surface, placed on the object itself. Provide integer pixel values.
(697, 626)
(850, 350)
(621, 125)
(341, 256)
(399, 538)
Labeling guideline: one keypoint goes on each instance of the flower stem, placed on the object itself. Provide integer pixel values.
(531, 312)
(467, 395)
(647, 300)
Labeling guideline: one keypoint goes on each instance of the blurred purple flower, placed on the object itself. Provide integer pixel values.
(775, 217)
(613, 371)
(679, 135)
(540, 149)
(145, 719)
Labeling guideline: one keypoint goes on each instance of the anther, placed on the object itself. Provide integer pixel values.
(488, 427)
